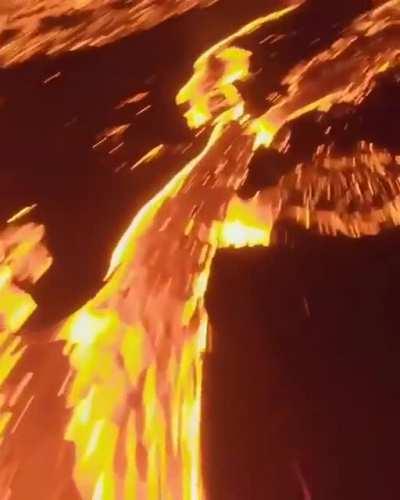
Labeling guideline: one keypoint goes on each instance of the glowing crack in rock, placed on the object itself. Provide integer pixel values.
(133, 389)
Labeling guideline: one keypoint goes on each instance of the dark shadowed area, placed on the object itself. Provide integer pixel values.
(304, 370)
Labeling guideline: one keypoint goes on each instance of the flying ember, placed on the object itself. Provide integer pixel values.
(132, 387)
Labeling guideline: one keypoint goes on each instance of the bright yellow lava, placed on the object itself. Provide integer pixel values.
(243, 227)
(135, 350)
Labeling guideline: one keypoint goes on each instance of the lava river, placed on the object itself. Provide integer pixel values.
(130, 396)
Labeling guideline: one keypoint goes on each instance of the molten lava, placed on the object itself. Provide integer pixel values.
(133, 389)
(45, 26)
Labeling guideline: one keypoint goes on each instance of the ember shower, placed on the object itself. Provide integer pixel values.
(132, 385)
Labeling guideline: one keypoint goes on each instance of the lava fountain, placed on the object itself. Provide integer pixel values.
(133, 387)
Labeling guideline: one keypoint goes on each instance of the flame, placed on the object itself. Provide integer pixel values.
(135, 350)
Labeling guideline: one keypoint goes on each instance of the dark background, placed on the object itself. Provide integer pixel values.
(304, 372)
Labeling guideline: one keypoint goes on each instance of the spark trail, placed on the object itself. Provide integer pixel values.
(49, 27)
(133, 391)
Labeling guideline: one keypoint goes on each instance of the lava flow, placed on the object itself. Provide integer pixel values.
(133, 388)
(45, 26)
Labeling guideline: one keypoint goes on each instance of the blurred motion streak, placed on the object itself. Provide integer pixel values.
(49, 27)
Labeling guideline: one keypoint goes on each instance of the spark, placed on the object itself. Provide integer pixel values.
(22, 414)
(20, 388)
(149, 156)
(52, 77)
(21, 213)
(132, 100)
(303, 483)
(116, 148)
(143, 110)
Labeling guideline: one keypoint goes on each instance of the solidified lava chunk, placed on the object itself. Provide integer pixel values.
(265, 170)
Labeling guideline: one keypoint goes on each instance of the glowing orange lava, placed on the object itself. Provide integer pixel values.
(135, 350)
(49, 27)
